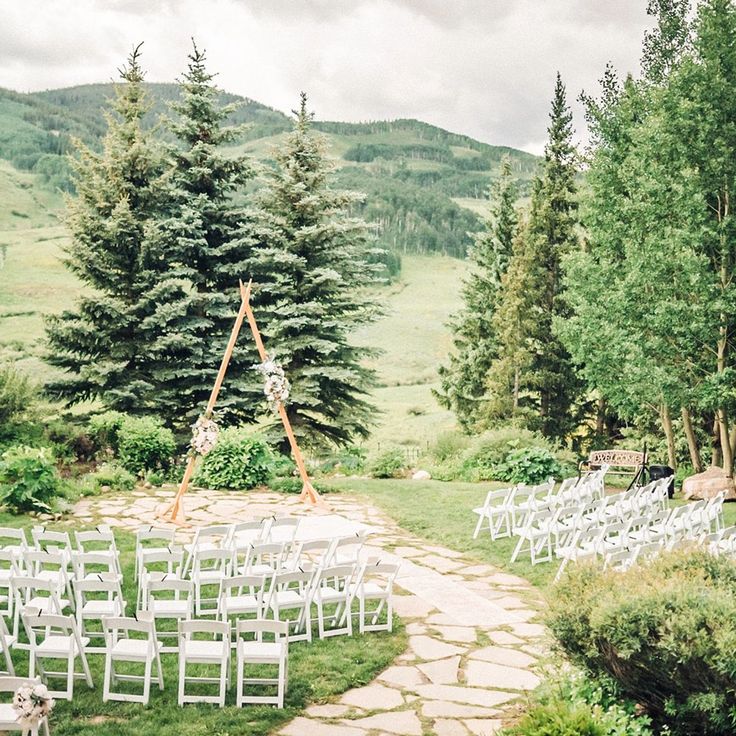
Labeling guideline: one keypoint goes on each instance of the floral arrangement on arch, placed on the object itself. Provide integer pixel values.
(32, 703)
(275, 383)
(204, 435)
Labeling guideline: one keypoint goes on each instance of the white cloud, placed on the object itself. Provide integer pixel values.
(481, 67)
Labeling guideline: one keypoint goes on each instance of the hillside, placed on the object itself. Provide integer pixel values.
(424, 186)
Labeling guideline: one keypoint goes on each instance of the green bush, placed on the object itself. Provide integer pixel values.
(349, 460)
(105, 429)
(286, 485)
(664, 633)
(240, 460)
(389, 464)
(529, 465)
(490, 449)
(449, 446)
(113, 476)
(29, 480)
(571, 707)
(143, 443)
(17, 394)
(70, 442)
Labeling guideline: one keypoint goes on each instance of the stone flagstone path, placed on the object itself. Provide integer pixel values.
(474, 645)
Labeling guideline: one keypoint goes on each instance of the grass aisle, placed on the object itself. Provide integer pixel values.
(317, 671)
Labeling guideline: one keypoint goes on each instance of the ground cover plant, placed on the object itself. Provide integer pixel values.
(317, 671)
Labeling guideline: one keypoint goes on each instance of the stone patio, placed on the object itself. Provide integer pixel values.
(474, 646)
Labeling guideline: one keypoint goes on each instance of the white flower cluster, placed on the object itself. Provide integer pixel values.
(275, 385)
(204, 435)
(32, 703)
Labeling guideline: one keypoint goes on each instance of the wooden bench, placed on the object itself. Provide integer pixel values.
(620, 462)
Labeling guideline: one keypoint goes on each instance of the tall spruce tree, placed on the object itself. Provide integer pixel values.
(99, 343)
(549, 383)
(199, 253)
(463, 380)
(310, 270)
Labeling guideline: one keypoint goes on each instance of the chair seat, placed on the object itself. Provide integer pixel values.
(372, 589)
(5, 576)
(328, 594)
(197, 649)
(44, 604)
(102, 608)
(257, 570)
(210, 576)
(240, 602)
(59, 646)
(260, 650)
(170, 608)
(132, 648)
(288, 598)
(190, 547)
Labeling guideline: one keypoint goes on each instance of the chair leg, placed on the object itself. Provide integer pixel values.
(147, 681)
(70, 676)
(106, 679)
(182, 671)
(282, 682)
(87, 673)
(224, 667)
(239, 676)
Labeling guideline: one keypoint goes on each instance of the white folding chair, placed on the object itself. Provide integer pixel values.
(170, 599)
(375, 587)
(209, 568)
(13, 540)
(7, 642)
(249, 532)
(346, 550)
(283, 530)
(621, 560)
(584, 545)
(536, 534)
(50, 564)
(495, 513)
(53, 541)
(333, 587)
(151, 539)
(262, 653)
(131, 640)
(56, 637)
(10, 567)
(206, 538)
(90, 565)
(44, 596)
(310, 554)
(101, 541)
(212, 650)
(242, 595)
(9, 716)
(290, 592)
(157, 564)
(262, 558)
(97, 599)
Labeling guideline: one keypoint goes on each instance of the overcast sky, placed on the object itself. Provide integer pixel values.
(481, 67)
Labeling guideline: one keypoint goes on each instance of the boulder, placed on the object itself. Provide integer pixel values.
(708, 484)
(421, 475)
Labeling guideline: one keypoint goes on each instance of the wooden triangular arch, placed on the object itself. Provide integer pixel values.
(174, 512)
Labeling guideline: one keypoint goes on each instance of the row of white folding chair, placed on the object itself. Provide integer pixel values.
(501, 508)
(721, 542)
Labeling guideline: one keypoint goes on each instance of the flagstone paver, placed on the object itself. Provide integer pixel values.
(474, 643)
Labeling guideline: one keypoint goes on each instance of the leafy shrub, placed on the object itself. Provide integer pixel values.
(105, 429)
(449, 446)
(490, 449)
(528, 465)
(239, 460)
(144, 444)
(112, 475)
(389, 464)
(571, 707)
(664, 633)
(70, 442)
(346, 460)
(29, 480)
(17, 394)
(286, 485)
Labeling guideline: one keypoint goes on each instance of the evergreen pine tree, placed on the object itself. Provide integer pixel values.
(310, 269)
(200, 254)
(545, 380)
(99, 343)
(463, 381)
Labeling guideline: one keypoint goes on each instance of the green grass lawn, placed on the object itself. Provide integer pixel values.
(317, 671)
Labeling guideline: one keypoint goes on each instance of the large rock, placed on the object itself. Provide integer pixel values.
(421, 475)
(708, 484)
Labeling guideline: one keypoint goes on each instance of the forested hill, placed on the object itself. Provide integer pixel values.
(424, 186)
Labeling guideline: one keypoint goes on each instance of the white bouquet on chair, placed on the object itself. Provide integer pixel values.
(204, 435)
(276, 384)
(32, 703)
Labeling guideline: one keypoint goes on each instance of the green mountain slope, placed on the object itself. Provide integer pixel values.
(424, 186)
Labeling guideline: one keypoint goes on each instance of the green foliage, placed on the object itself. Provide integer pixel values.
(530, 465)
(17, 394)
(240, 460)
(29, 480)
(388, 464)
(286, 485)
(571, 707)
(349, 460)
(69, 441)
(463, 386)
(105, 429)
(112, 476)
(145, 444)
(449, 446)
(662, 632)
(310, 264)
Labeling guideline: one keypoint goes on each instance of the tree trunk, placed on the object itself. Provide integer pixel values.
(721, 414)
(715, 456)
(669, 433)
(516, 389)
(600, 417)
(692, 441)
